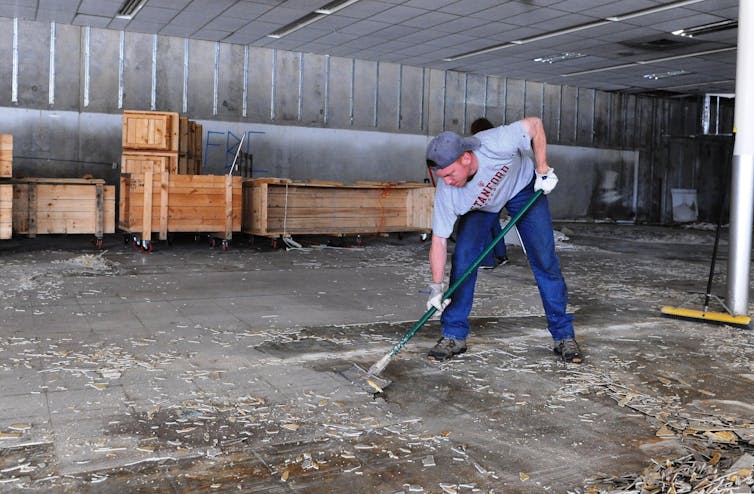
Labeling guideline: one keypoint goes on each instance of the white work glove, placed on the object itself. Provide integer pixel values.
(435, 298)
(545, 181)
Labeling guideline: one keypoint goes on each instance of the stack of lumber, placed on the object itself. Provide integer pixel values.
(6, 189)
(161, 189)
(276, 207)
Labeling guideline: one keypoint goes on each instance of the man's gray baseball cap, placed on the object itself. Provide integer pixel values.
(447, 147)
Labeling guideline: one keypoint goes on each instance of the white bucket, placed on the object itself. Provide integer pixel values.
(684, 205)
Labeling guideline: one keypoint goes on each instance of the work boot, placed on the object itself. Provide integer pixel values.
(568, 350)
(446, 348)
(499, 261)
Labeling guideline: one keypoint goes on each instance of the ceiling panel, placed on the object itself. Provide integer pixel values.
(424, 33)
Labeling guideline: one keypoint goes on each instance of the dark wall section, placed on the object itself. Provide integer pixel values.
(70, 68)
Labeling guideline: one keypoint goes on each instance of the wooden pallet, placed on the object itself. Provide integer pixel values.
(163, 203)
(6, 211)
(63, 205)
(279, 207)
(6, 155)
(153, 131)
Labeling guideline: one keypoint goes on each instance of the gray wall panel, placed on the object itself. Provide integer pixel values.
(436, 101)
(68, 68)
(455, 107)
(201, 80)
(137, 72)
(340, 98)
(628, 122)
(313, 90)
(388, 96)
(495, 104)
(569, 112)
(602, 111)
(551, 112)
(230, 82)
(585, 120)
(413, 96)
(260, 84)
(515, 98)
(365, 94)
(476, 99)
(104, 53)
(534, 99)
(6, 54)
(287, 86)
(33, 64)
(170, 58)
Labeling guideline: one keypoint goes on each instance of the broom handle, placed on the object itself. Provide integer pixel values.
(474, 265)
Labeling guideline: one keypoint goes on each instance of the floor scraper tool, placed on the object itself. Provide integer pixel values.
(377, 384)
(705, 314)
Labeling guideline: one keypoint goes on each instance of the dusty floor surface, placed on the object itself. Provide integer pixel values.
(191, 369)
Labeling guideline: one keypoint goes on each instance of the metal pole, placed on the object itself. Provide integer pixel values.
(742, 178)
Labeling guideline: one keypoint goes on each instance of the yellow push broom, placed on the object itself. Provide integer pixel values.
(705, 314)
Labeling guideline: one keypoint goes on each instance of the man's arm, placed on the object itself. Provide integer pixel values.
(535, 129)
(437, 257)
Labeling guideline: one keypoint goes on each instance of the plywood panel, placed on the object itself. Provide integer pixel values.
(68, 206)
(6, 211)
(6, 155)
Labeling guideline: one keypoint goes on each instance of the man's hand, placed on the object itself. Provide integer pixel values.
(435, 298)
(546, 181)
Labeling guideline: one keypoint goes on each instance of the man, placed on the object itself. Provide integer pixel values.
(499, 255)
(477, 177)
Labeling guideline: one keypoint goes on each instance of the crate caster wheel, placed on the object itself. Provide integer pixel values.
(423, 237)
(146, 246)
(98, 243)
(212, 242)
(224, 245)
(274, 243)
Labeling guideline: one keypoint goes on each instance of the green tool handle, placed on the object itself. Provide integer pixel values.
(474, 265)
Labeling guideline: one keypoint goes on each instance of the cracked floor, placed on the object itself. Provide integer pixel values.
(192, 369)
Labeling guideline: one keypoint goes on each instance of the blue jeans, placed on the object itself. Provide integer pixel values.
(535, 228)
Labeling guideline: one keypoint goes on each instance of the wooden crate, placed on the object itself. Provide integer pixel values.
(278, 207)
(6, 211)
(63, 205)
(134, 162)
(163, 203)
(6, 155)
(153, 131)
(190, 147)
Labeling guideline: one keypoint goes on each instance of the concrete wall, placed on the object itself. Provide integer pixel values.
(373, 109)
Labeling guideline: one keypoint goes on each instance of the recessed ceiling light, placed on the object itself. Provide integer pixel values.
(712, 27)
(663, 75)
(569, 55)
(296, 25)
(335, 6)
(130, 8)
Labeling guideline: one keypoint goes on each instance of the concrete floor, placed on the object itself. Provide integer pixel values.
(191, 369)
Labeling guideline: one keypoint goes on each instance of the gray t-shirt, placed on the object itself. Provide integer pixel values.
(506, 166)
